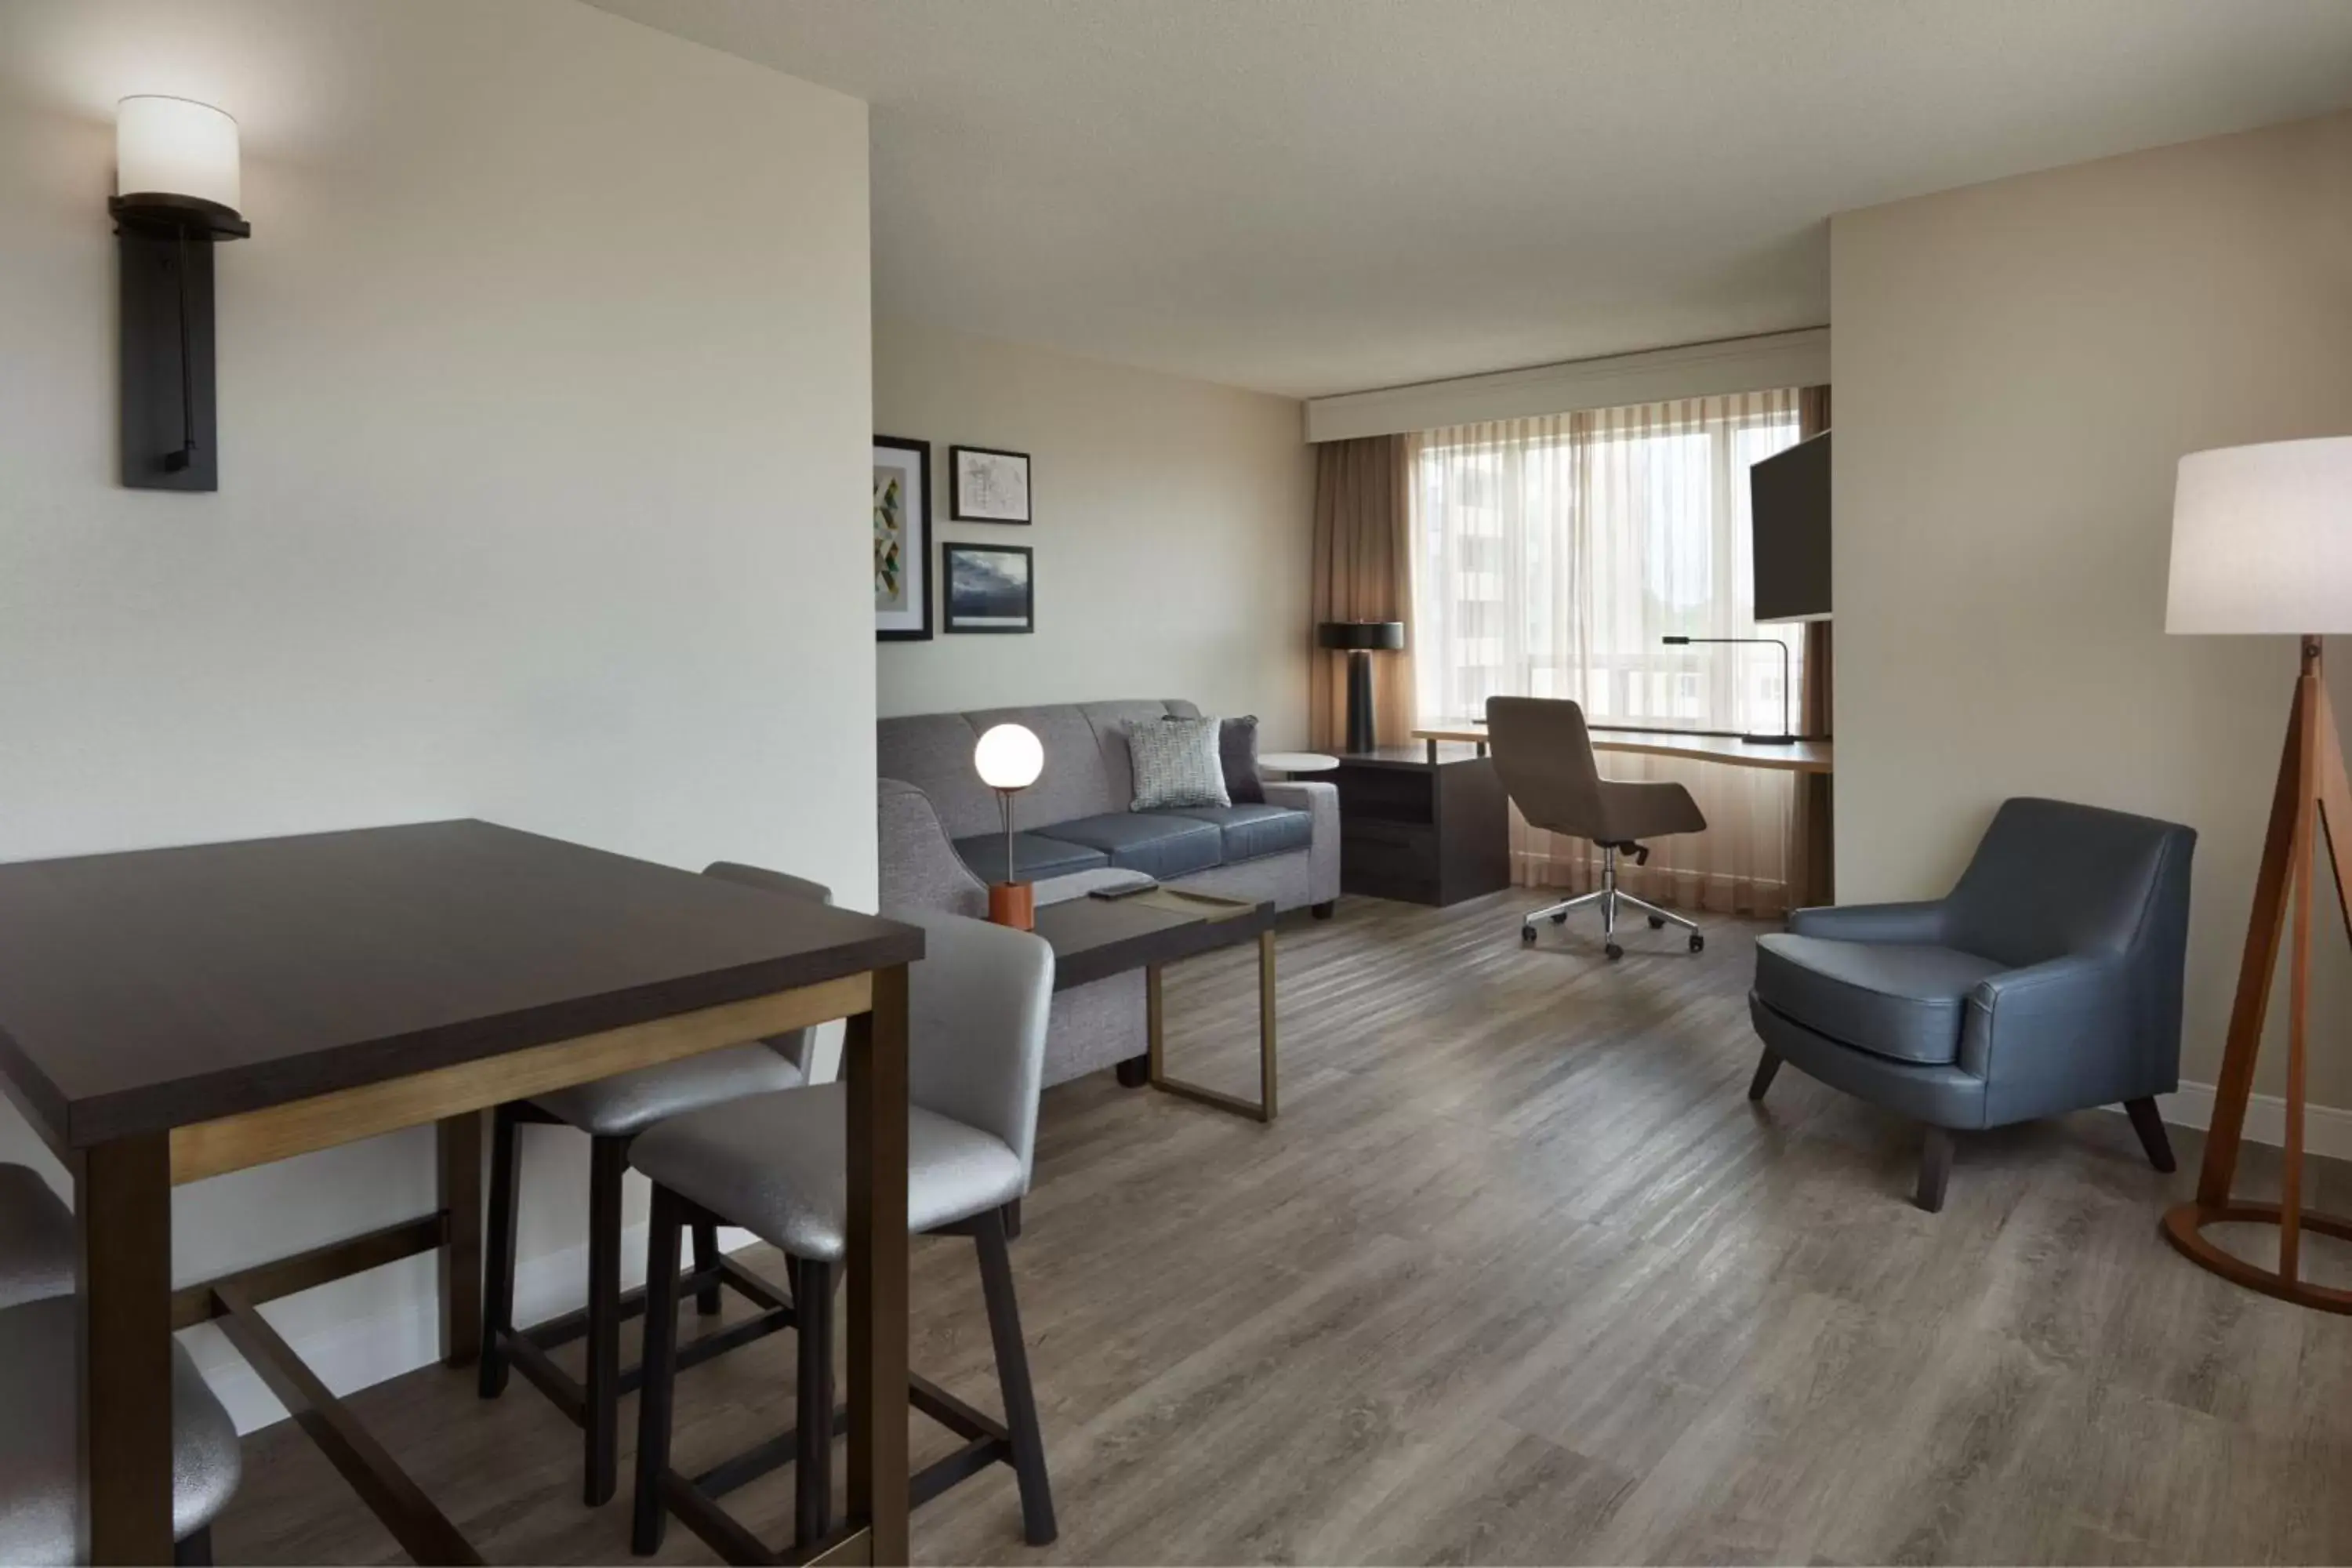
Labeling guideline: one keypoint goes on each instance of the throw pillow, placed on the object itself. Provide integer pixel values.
(1237, 751)
(1176, 765)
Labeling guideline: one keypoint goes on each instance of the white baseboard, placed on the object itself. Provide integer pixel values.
(2326, 1129)
(354, 1352)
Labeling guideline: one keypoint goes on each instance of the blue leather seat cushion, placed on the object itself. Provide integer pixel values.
(1898, 1000)
(1034, 856)
(1250, 831)
(1161, 844)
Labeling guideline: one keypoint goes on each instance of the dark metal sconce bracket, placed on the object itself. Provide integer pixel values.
(164, 245)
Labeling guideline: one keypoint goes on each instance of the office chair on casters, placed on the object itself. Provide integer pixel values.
(1543, 754)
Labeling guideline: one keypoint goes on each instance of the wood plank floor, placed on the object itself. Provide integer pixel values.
(1521, 1276)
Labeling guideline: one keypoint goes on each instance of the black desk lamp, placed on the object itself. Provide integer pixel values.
(1360, 640)
(1787, 737)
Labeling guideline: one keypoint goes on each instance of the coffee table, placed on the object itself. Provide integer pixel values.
(1094, 939)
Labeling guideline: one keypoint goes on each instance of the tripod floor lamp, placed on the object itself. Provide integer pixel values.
(2262, 544)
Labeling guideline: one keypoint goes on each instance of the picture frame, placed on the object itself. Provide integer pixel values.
(902, 539)
(988, 588)
(986, 484)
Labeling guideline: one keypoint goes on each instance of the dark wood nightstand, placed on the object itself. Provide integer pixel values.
(1425, 825)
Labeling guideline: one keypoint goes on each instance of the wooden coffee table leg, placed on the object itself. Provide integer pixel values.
(874, 1065)
(122, 1208)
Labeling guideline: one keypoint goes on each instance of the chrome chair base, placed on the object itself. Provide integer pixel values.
(1608, 896)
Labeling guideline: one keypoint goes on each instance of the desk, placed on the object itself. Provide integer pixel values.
(170, 1015)
(1815, 856)
(1800, 757)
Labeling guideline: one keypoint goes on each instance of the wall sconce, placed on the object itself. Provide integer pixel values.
(176, 181)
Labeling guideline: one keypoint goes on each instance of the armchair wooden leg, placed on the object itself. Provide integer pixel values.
(1765, 1067)
(2149, 1125)
(1935, 1169)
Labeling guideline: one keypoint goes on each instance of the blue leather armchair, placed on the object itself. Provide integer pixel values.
(2048, 981)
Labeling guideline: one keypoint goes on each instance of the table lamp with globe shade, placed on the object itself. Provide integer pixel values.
(1009, 759)
(2262, 545)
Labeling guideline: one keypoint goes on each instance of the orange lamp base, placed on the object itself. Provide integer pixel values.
(1013, 904)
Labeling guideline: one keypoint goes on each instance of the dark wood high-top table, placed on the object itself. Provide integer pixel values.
(170, 1015)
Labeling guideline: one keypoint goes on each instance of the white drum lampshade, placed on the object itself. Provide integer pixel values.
(176, 147)
(2261, 540)
(1009, 757)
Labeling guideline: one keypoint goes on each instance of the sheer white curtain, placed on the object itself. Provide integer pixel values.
(1551, 555)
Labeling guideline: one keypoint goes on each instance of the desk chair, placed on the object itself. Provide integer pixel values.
(1543, 754)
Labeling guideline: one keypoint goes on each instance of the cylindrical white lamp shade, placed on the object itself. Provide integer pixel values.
(2261, 539)
(178, 147)
(1009, 757)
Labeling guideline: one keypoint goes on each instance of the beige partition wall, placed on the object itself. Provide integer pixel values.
(2019, 365)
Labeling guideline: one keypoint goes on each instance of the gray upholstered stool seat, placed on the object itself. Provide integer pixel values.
(775, 1165)
(1904, 1000)
(631, 1102)
(37, 1240)
(39, 1471)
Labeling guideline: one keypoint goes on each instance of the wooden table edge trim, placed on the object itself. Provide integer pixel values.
(360, 1064)
(300, 1127)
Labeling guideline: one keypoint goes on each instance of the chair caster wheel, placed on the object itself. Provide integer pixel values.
(1527, 936)
(1699, 943)
(1560, 919)
(1613, 951)
(1657, 922)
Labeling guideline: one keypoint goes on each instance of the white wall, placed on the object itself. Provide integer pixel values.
(2018, 367)
(1173, 532)
(544, 384)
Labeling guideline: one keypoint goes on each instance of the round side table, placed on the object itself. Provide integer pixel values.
(1297, 761)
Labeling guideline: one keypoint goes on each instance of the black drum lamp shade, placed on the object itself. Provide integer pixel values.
(1360, 640)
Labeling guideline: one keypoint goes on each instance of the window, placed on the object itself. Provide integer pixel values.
(1551, 556)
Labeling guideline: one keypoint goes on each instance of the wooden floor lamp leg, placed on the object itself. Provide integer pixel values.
(874, 1067)
(122, 1210)
(2259, 962)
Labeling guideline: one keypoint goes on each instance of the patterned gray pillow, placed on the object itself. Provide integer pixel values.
(1176, 765)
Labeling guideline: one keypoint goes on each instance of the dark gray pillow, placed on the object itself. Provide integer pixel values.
(1237, 751)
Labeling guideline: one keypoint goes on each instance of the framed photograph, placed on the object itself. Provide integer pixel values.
(989, 486)
(990, 588)
(902, 539)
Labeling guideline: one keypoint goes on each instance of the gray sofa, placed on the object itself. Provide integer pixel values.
(942, 841)
(2049, 980)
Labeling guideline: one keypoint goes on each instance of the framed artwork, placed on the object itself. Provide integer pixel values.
(989, 588)
(902, 539)
(988, 485)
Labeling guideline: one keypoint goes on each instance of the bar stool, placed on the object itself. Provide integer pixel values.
(613, 1111)
(774, 1164)
(39, 1471)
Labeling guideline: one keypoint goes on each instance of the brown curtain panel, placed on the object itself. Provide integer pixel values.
(1815, 862)
(1362, 571)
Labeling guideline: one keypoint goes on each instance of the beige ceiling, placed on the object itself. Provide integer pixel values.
(1321, 196)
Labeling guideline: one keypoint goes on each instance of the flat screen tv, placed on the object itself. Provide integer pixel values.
(1788, 504)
